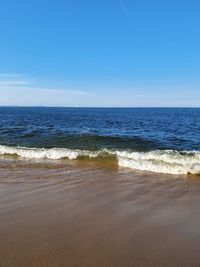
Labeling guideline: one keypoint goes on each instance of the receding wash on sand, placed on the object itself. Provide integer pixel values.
(74, 214)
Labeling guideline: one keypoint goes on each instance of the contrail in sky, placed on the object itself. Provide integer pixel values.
(124, 7)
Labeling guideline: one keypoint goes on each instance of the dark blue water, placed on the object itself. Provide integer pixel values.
(140, 129)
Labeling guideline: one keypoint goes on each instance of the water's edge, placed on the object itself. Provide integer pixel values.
(158, 161)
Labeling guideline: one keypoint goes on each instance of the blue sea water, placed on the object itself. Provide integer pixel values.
(140, 129)
(125, 130)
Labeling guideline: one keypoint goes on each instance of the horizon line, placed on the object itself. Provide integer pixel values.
(76, 107)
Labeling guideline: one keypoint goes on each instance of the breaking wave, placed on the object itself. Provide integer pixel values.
(162, 161)
(159, 161)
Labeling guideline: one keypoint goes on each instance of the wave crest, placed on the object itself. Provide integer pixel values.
(159, 161)
(45, 153)
(162, 161)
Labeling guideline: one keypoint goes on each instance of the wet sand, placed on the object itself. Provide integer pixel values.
(58, 215)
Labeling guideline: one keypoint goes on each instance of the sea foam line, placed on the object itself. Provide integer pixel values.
(162, 161)
(159, 161)
(45, 153)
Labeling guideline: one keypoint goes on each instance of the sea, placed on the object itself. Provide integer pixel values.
(157, 140)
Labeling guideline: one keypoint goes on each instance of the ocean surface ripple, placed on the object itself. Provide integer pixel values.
(164, 140)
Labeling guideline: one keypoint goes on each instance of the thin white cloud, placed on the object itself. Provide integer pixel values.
(33, 96)
(10, 75)
(23, 92)
(13, 79)
(125, 9)
(13, 82)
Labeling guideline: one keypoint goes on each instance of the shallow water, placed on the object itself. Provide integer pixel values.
(53, 214)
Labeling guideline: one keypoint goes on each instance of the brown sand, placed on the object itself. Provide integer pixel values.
(85, 216)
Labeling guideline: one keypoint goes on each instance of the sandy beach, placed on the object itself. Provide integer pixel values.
(100, 133)
(76, 215)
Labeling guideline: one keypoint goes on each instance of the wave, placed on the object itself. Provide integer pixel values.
(45, 153)
(162, 161)
(159, 161)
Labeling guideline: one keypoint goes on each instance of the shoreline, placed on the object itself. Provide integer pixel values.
(79, 215)
(167, 161)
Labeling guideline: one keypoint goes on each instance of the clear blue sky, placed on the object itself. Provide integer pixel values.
(100, 52)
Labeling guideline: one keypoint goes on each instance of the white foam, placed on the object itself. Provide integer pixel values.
(166, 161)
(160, 161)
(43, 153)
